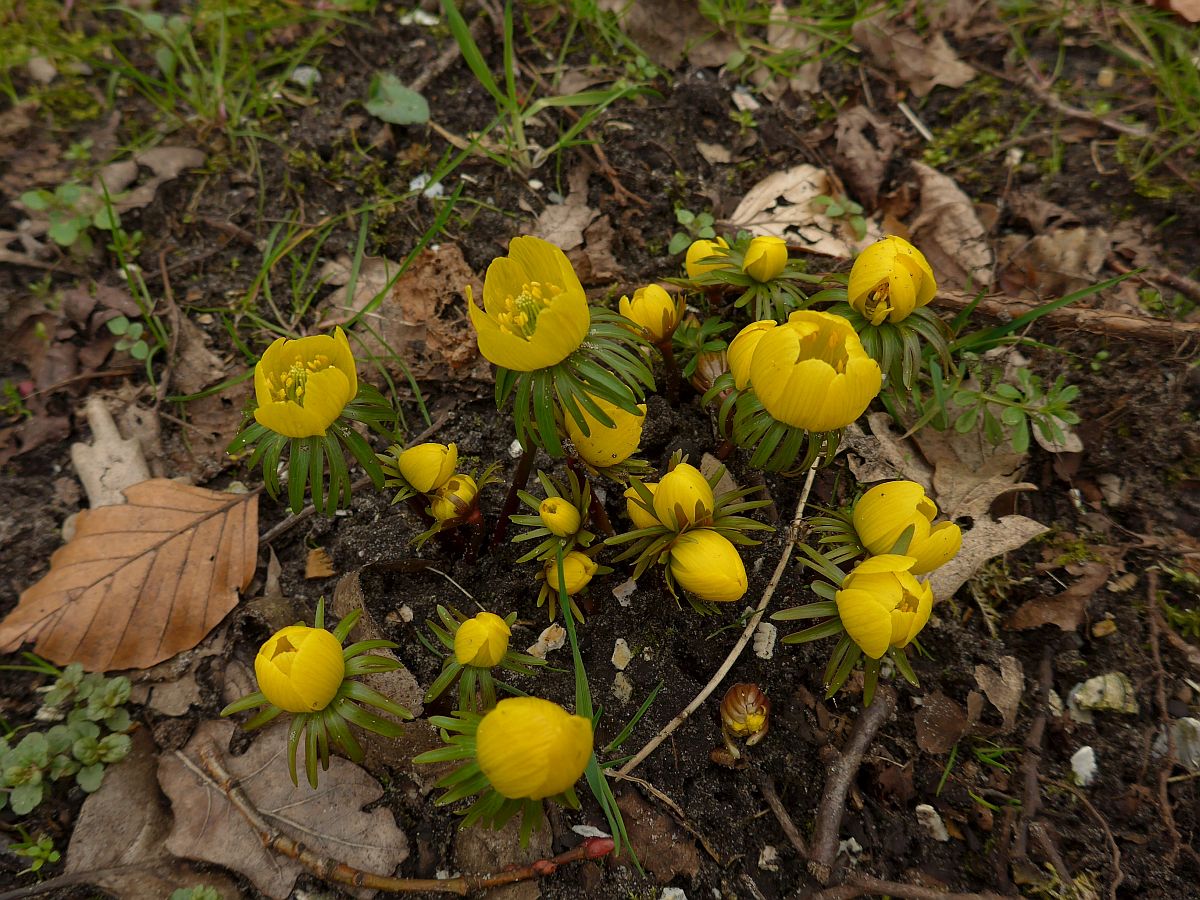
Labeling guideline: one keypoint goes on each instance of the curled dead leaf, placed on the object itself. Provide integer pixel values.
(1065, 609)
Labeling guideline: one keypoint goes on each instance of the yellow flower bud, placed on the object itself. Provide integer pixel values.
(741, 350)
(560, 516)
(603, 447)
(702, 250)
(531, 748)
(454, 500)
(578, 569)
(299, 669)
(637, 513)
(745, 712)
(882, 605)
(683, 498)
(654, 310)
(889, 280)
(884, 513)
(708, 565)
(481, 641)
(428, 466)
(765, 258)
(302, 386)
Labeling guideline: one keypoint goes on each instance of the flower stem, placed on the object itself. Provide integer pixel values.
(519, 480)
(596, 510)
(668, 353)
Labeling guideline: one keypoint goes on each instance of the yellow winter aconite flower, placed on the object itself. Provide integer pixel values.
(889, 280)
(707, 564)
(887, 510)
(765, 258)
(428, 466)
(683, 498)
(531, 748)
(560, 516)
(578, 569)
(481, 641)
(302, 386)
(455, 499)
(882, 605)
(604, 447)
(299, 669)
(654, 310)
(535, 313)
(812, 372)
(701, 250)
(741, 351)
(637, 513)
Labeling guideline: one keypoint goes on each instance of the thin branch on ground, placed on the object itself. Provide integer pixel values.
(1031, 760)
(1187, 286)
(676, 811)
(1165, 810)
(1113, 849)
(862, 885)
(766, 786)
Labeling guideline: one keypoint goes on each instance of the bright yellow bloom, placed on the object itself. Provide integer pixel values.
(302, 386)
(455, 499)
(531, 748)
(701, 250)
(428, 466)
(812, 372)
(535, 313)
(765, 258)
(604, 447)
(578, 569)
(708, 565)
(481, 641)
(560, 516)
(889, 280)
(654, 310)
(741, 350)
(882, 605)
(299, 669)
(683, 498)
(637, 513)
(887, 510)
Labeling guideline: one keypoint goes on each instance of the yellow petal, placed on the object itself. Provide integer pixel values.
(702, 250)
(426, 467)
(765, 258)
(882, 513)
(481, 641)
(866, 619)
(289, 419)
(938, 548)
(709, 565)
(578, 569)
(531, 748)
(299, 669)
(741, 350)
(640, 516)
(269, 365)
(342, 358)
(683, 498)
(545, 262)
(560, 516)
(603, 447)
(505, 277)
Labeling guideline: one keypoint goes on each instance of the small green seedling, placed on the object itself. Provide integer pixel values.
(696, 226)
(39, 851)
(131, 338)
(72, 209)
(841, 207)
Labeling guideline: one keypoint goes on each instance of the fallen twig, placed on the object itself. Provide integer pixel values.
(1113, 849)
(767, 786)
(858, 885)
(1031, 761)
(1166, 811)
(676, 811)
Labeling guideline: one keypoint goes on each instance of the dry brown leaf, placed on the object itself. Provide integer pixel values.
(949, 232)
(319, 564)
(1065, 609)
(1003, 688)
(329, 820)
(1055, 263)
(666, 849)
(940, 723)
(865, 144)
(141, 581)
(563, 223)
(485, 850)
(1187, 9)
(666, 28)
(923, 63)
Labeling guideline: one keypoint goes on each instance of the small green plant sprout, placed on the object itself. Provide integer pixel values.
(1009, 409)
(842, 207)
(307, 399)
(578, 570)
(306, 672)
(559, 520)
(477, 645)
(696, 226)
(12, 401)
(390, 100)
(195, 892)
(72, 209)
(131, 338)
(39, 851)
(758, 269)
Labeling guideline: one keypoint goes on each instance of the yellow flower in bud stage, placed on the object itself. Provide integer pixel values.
(299, 669)
(889, 280)
(578, 569)
(683, 498)
(302, 386)
(765, 258)
(603, 447)
(560, 516)
(535, 313)
(882, 605)
(654, 310)
(455, 499)
(641, 518)
(707, 564)
(531, 748)
(426, 467)
(887, 510)
(741, 350)
(812, 372)
(701, 250)
(481, 641)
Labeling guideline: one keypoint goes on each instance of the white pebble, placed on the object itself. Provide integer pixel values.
(931, 820)
(1083, 766)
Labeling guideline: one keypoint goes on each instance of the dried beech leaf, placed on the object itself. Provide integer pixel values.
(940, 722)
(1065, 609)
(319, 563)
(1003, 688)
(142, 581)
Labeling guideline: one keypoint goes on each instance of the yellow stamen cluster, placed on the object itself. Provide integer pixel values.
(520, 313)
(291, 385)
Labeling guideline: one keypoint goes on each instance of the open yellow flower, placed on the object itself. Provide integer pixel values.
(812, 372)
(654, 310)
(454, 500)
(603, 447)
(882, 605)
(426, 467)
(702, 250)
(741, 350)
(481, 641)
(707, 564)
(637, 513)
(299, 668)
(302, 386)
(683, 498)
(578, 569)
(765, 258)
(887, 510)
(560, 516)
(531, 748)
(889, 280)
(535, 313)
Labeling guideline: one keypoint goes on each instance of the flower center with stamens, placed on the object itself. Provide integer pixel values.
(909, 603)
(520, 314)
(291, 384)
(827, 346)
(877, 298)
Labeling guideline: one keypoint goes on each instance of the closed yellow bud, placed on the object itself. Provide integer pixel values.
(299, 669)
(455, 500)
(637, 513)
(741, 351)
(889, 280)
(603, 447)
(704, 256)
(886, 511)
(481, 641)
(683, 498)
(882, 605)
(428, 466)
(578, 569)
(654, 310)
(765, 258)
(708, 565)
(529, 748)
(302, 386)
(560, 516)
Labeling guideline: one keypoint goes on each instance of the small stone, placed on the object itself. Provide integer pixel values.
(1111, 692)
(514, 449)
(1106, 77)
(41, 69)
(931, 820)
(1186, 733)
(850, 847)
(624, 591)
(419, 17)
(1083, 766)
(305, 76)
(551, 639)
(589, 831)
(768, 859)
(764, 640)
(622, 688)
(621, 654)
(1104, 628)
(536, 184)
(672, 893)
